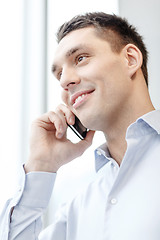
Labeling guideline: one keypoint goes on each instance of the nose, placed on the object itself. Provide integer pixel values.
(69, 78)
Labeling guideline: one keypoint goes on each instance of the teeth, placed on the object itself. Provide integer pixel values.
(79, 98)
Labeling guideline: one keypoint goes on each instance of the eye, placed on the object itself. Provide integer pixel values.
(59, 75)
(80, 58)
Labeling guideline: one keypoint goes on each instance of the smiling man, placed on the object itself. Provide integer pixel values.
(101, 65)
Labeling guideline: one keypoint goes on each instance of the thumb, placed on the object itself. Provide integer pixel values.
(87, 142)
(89, 137)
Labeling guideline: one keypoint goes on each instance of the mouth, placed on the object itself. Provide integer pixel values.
(80, 97)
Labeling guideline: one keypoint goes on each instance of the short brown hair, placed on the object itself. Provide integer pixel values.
(116, 30)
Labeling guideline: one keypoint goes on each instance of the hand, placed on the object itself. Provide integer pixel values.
(49, 146)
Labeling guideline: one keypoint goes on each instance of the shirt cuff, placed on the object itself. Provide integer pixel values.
(37, 190)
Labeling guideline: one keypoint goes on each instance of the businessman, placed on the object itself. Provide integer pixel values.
(101, 65)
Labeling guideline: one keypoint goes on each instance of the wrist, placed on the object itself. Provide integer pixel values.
(33, 165)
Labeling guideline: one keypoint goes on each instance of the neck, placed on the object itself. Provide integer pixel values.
(116, 133)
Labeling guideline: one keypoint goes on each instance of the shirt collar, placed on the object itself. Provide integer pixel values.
(145, 124)
(102, 156)
(152, 119)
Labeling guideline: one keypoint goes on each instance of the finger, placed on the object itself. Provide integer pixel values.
(61, 116)
(63, 125)
(60, 124)
(89, 136)
(52, 121)
(69, 116)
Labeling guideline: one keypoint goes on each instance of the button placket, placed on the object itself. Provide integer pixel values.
(113, 201)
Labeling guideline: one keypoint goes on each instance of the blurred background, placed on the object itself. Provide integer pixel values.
(28, 88)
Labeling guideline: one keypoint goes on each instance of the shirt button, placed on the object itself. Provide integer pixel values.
(99, 153)
(113, 201)
(114, 167)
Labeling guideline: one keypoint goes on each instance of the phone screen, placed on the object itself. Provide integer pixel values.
(78, 129)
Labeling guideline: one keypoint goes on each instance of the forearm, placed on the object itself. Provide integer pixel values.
(25, 226)
(25, 220)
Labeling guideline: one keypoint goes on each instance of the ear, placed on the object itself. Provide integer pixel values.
(134, 59)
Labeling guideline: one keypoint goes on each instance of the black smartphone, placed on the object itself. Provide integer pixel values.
(78, 129)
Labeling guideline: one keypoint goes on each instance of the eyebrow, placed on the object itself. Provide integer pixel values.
(69, 53)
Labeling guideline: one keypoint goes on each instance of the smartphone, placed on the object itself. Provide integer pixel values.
(78, 129)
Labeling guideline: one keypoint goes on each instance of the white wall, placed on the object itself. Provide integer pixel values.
(10, 94)
(146, 16)
(22, 83)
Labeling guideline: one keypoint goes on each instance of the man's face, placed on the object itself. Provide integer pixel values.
(94, 79)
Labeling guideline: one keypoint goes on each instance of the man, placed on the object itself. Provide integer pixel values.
(101, 64)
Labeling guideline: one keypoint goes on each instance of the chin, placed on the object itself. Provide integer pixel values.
(90, 123)
(90, 117)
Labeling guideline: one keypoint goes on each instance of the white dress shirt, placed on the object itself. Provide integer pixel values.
(122, 203)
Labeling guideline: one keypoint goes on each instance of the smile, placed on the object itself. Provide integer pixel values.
(79, 98)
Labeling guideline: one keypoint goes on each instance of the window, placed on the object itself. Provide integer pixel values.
(10, 94)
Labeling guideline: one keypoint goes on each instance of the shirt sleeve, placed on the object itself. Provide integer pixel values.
(28, 206)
